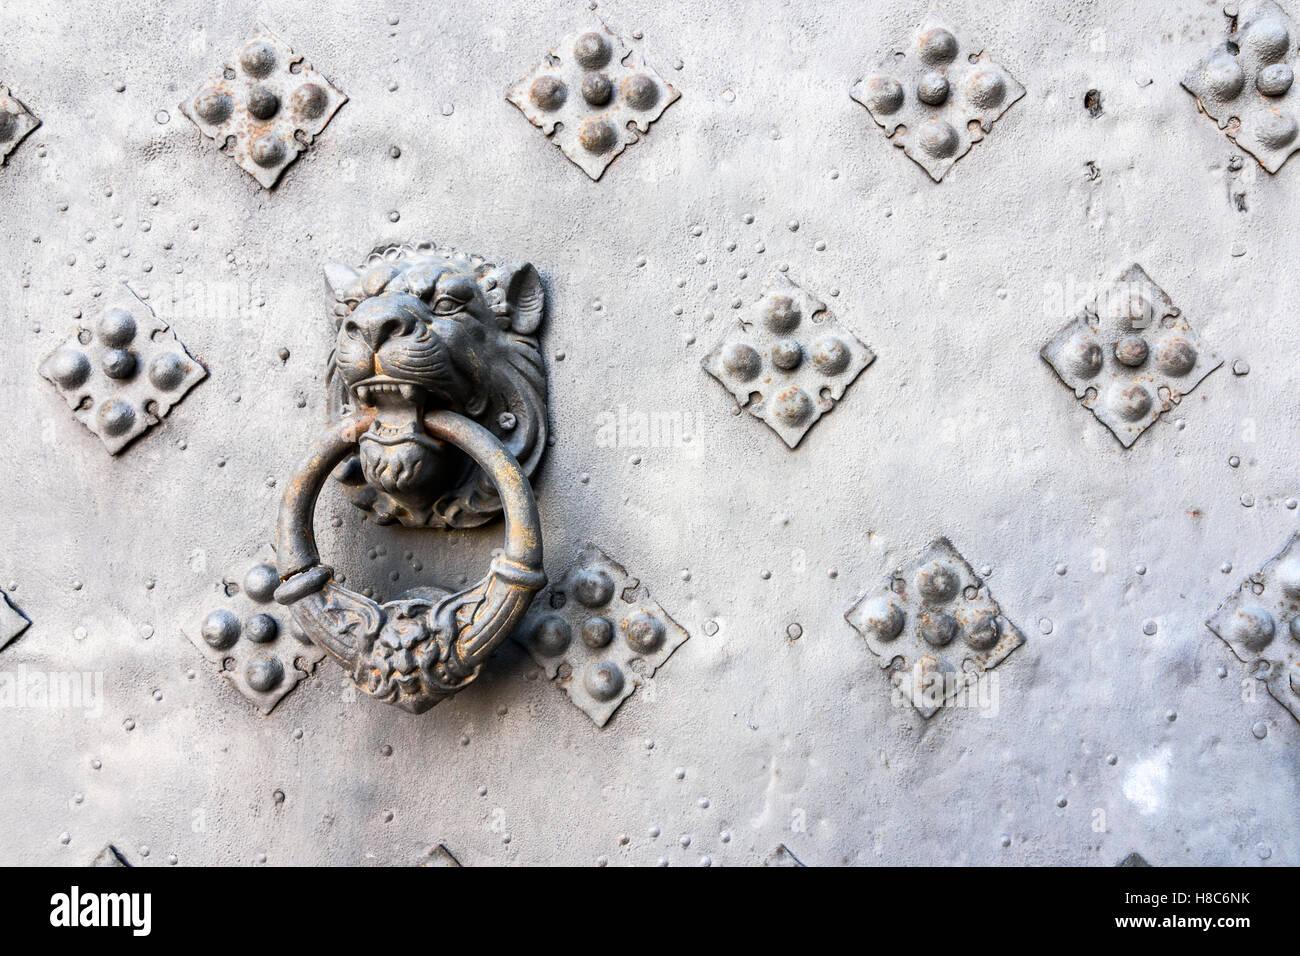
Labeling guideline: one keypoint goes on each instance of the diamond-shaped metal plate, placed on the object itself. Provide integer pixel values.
(938, 96)
(1130, 355)
(599, 633)
(12, 622)
(1260, 623)
(588, 94)
(264, 107)
(793, 354)
(1247, 84)
(122, 375)
(252, 639)
(16, 123)
(935, 626)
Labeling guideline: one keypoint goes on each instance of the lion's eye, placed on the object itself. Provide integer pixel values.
(446, 305)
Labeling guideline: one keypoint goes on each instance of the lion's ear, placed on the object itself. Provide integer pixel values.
(523, 294)
(339, 279)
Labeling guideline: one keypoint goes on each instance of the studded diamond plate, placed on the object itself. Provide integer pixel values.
(1247, 84)
(253, 639)
(588, 93)
(16, 123)
(600, 634)
(781, 856)
(1130, 355)
(264, 107)
(109, 856)
(123, 375)
(439, 856)
(1260, 623)
(938, 96)
(12, 622)
(793, 354)
(936, 627)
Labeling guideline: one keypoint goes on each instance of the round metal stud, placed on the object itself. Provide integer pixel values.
(1277, 129)
(116, 328)
(309, 101)
(1084, 357)
(792, 407)
(937, 630)
(1131, 350)
(597, 632)
(938, 138)
(1175, 355)
(267, 150)
(644, 632)
(598, 136)
(119, 364)
(781, 313)
(937, 46)
(262, 102)
(787, 354)
(1275, 79)
(641, 92)
(740, 360)
(261, 628)
(1225, 77)
(552, 636)
(603, 680)
(260, 582)
(116, 417)
(167, 371)
(257, 59)
(548, 93)
(1130, 402)
(881, 617)
(1252, 627)
(987, 88)
(984, 632)
(1268, 39)
(591, 51)
(830, 355)
(592, 587)
(938, 582)
(214, 106)
(69, 367)
(264, 674)
(884, 94)
(220, 629)
(597, 89)
(933, 88)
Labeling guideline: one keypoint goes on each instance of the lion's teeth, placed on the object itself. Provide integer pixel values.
(363, 393)
(407, 391)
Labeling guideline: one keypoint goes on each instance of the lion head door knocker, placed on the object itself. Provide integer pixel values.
(437, 401)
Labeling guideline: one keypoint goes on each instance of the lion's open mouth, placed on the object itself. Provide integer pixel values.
(396, 453)
(399, 407)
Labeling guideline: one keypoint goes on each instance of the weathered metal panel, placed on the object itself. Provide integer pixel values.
(140, 705)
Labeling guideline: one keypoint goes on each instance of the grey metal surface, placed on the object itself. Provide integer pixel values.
(1122, 725)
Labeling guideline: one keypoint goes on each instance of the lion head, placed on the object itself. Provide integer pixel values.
(422, 328)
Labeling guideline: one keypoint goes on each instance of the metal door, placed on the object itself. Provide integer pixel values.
(907, 397)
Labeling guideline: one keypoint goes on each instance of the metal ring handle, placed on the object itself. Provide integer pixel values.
(410, 653)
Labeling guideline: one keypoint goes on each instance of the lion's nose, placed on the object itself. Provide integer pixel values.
(376, 328)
